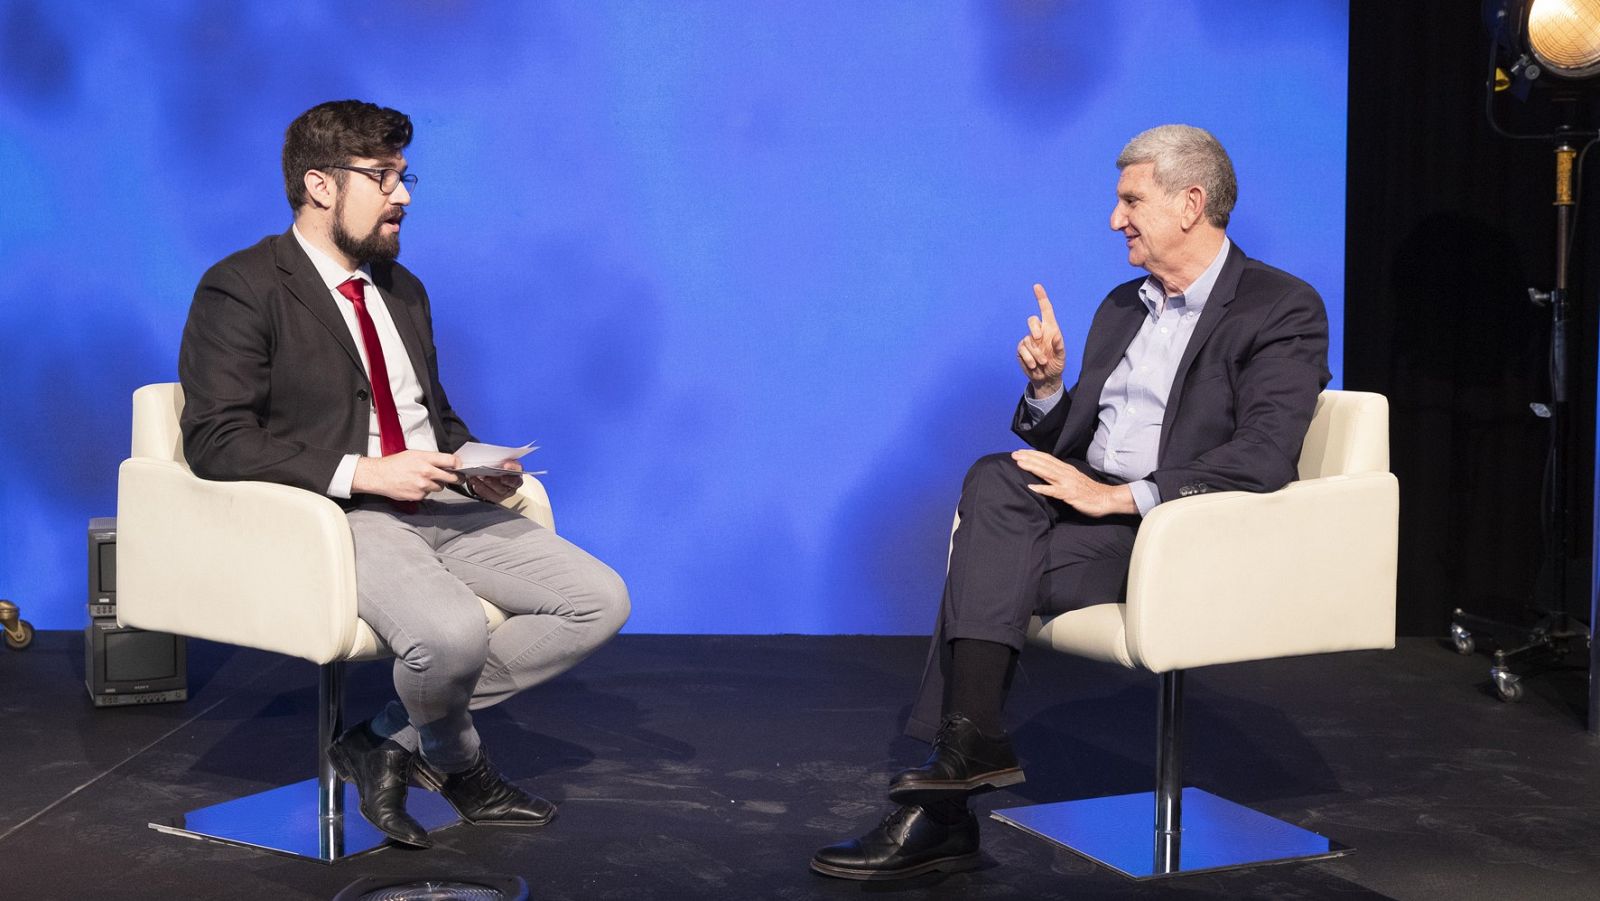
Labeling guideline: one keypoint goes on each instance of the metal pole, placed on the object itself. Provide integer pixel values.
(1559, 383)
(1594, 608)
(330, 793)
(1562, 439)
(1169, 772)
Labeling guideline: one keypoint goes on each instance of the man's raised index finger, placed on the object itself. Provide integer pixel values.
(1046, 311)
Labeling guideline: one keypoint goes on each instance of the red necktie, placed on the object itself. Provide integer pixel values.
(391, 438)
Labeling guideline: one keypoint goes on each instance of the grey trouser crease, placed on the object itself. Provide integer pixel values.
(418, 579)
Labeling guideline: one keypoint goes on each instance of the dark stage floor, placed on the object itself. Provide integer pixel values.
(711, 767)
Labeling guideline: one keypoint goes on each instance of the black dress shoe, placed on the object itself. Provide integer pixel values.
(964, 762)
(909, 842)
(380, 771)
(483, 797)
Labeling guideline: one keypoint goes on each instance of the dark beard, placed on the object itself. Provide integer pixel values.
(375, 246)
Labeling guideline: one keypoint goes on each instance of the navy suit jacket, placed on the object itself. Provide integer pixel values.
(1243, 395)
(274, 389)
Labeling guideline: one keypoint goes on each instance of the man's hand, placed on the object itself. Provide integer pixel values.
(1066, 484)
(495, 489)
(410, 475)
(1042, 353)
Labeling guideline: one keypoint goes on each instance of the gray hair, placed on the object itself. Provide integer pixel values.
(1185, 156)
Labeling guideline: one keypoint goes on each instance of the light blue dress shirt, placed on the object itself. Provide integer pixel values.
(1134, 399)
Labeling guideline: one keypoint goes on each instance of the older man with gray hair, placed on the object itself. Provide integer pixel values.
(1201, 376)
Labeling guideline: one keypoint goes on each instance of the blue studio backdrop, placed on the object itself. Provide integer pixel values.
(751, 273)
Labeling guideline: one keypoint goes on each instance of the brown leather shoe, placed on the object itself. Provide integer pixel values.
(964, 762)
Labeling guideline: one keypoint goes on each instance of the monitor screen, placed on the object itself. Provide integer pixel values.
(132, 656)
(106, 569)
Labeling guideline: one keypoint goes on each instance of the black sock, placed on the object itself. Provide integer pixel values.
(978, 678)
(947, 813)
(371, 734)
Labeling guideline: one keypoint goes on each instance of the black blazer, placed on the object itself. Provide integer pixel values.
(274, 389)
(1243, 395)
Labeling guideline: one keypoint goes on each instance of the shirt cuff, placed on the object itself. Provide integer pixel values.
(1145, 496)
(1041, 407)
(343, 477)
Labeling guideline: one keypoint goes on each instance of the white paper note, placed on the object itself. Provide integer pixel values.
(485, 459)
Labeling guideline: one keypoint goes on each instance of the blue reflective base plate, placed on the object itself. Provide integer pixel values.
(284, 821)
(1119, 832)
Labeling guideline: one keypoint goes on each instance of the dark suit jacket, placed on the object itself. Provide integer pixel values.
(1243, 395)
(274, 389)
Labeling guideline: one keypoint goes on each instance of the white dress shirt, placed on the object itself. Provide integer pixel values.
(1133, 401)
(403, 382)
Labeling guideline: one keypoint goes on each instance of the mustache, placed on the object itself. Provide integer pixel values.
(398, 214)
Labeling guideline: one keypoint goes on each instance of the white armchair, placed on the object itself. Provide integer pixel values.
(264, 566)
(1224, 578)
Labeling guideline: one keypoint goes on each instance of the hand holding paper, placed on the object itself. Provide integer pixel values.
(493, 472)
(488, 459)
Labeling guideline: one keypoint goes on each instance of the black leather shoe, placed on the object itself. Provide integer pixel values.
(483, 797)
(909, 842)
(379, 770)
(964, 762)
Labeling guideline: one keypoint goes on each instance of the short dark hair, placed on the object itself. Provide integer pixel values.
(333, 134)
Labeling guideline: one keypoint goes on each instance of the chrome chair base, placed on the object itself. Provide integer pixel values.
(285, 821)
(1118, 832)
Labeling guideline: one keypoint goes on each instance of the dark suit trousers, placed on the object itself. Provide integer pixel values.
(1015, 554)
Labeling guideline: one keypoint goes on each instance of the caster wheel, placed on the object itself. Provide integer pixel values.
(1462, 639)
(1507, 685)
(23, 636)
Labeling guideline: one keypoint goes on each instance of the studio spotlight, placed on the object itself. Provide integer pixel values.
(1558, 38)
(1564, 36)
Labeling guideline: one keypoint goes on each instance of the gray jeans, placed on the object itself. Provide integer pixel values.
(418, 579)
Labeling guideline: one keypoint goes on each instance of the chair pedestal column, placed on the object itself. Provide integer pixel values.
(307, 819)
(330, 725)
(1169, 773)
(1194, 831)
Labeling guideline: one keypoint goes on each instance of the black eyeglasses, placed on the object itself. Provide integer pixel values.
(387, 179)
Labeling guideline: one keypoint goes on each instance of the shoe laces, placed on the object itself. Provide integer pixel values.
(483, 778)
(896, 817)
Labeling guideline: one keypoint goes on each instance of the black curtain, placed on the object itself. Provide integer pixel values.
(1448, 225)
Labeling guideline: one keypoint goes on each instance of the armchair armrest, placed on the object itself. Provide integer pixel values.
(1234, 576)
(532, 501)
(249, 563)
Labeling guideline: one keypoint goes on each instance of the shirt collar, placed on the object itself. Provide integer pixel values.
(1194, 299)
(332, 274)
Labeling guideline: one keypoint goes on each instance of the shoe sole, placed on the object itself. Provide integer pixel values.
(957, 864)
(928, 792)
(342, 767)
(425, 780)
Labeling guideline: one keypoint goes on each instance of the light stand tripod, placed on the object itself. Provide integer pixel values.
(1556, 631)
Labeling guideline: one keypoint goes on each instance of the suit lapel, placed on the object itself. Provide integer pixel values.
(301, 280)
(1222, 294)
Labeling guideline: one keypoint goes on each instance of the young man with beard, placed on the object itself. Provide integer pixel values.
(308, 360)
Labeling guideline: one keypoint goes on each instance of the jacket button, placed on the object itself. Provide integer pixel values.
(361, 394)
